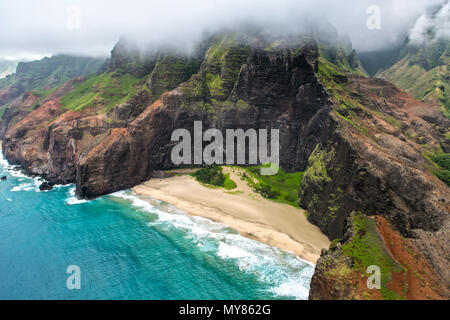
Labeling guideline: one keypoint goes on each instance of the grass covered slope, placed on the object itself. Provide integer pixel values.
(366, 249)
(106, 90)
(49, 72)
(394, 143)
(372, 242)
(41, 77)
(424, 73)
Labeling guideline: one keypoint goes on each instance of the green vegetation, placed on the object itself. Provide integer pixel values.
(3, 110)
(317, 166)
(222, 64)
(424, 73)
(43, 93)
(348, 109)
(367, 249)
(228, 183)
(49, 72)
(282, 187)
(213, 175)
(442, 160)
(170, 71)
(343, 59)
(442, 168)
(330, 75)
(106, 90)
(215, 84)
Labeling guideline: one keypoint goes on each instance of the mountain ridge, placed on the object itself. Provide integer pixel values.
(352, 135)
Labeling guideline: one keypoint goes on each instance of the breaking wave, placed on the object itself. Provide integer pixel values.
(286, 274)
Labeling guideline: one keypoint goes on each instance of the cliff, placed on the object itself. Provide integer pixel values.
(38, 79)
(418, 65)
(424, 73)
(366, 147)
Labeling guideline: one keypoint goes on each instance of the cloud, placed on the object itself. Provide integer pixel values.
(92, 27)
(434, 24)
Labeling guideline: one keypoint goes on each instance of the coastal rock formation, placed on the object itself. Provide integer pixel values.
(287, 102)
(22, 91)
(366, 147)
(375, 163)
(405, 273)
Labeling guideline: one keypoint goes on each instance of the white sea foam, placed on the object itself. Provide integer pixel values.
(293, 287)
(59, 186)
(29, 183)
(229, 252)
(288, 276)
(72, 199)
(32, 185)
(23, 187)
(3, 162)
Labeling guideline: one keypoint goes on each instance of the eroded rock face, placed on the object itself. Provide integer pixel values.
(374, 166)
(239, 84)
(20, 92)
(405, 273)
(273, 90)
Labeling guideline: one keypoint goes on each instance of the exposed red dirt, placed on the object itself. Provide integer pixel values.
(419, 282)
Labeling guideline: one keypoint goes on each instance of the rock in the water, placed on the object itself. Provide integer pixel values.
(3, 178)
(45, 186)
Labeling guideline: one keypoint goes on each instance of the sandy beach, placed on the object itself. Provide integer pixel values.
(278, 225)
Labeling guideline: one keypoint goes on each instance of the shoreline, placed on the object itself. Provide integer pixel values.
(277, 225)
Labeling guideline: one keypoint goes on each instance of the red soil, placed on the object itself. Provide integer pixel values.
(419, 282)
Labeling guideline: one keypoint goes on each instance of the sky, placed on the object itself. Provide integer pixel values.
(33, 28)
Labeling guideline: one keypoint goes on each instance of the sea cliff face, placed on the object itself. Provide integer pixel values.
(366, 147)
(24, 90)
(376, 167)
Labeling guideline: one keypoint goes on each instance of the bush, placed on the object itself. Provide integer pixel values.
(213, 175)
(443, 161)
(444, 175)
(282, 187)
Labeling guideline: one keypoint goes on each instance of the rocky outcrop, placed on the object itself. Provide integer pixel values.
(372, 164)
(239, 84)
(271, 90)
(341, 272)
(362, 143)
(23, 91)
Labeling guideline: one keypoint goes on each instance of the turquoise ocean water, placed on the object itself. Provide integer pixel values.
(127, 248)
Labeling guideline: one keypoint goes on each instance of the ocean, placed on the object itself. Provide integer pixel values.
(127, 248)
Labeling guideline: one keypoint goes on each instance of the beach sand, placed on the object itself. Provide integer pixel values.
(275, 224)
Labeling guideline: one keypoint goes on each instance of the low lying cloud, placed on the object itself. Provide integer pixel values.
(434, 24)
(92, 27)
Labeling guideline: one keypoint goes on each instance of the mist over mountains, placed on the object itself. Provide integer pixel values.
(432, 25)
(7, 67)
(92, 28)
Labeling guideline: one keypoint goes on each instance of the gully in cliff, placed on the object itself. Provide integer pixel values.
(214, 153)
